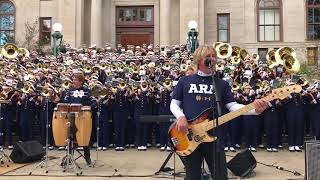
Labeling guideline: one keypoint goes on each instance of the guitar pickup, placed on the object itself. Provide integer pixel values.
(190, 135)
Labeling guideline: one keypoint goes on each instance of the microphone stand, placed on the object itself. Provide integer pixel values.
(215, 102)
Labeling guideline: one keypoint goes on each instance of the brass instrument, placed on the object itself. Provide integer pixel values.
(122, 84)
(243, 54)
(183, 67)
(282, 52)
(167, 83)
(135, 69)
(235, 51)
(23, 52)
(220, 66)
(26, 88)
(271, 59)
(45, 67)
(224, 50)
(10, 51)
(114, 67)
(166, 66)
(87, 68)
(109, 73)
(144, 85)
(235, 86)
(121, 67)
(66, 84)
(291, 64)
(103, 66)
(255, 57)
(235, 60)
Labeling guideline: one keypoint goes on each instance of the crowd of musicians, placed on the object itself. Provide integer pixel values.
(138, 81)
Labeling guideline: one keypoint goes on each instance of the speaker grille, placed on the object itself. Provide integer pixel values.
(312, 155)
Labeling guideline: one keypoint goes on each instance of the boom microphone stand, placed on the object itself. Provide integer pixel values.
(215, 104)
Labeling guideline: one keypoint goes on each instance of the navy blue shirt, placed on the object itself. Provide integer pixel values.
(80, 96)
(195, 93)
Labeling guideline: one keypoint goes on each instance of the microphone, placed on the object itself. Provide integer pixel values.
(208, 62)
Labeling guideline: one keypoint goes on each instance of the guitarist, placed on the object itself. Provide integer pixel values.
(190, 97)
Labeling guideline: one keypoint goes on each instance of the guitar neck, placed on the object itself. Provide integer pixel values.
(232, 115)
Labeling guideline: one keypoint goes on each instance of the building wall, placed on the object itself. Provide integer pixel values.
(76, 17)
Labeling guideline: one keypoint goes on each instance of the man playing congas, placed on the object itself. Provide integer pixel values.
(78, 94)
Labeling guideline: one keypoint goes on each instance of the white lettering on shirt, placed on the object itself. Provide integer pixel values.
(200, 89)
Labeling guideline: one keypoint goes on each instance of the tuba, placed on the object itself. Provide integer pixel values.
(271, 59)
(10, 51)
(23, 52)
(282, 52)
(224, 50)
(291, 64)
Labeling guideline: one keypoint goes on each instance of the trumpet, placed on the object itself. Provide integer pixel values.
(122, 84)
(167, 83)
(144, 85)
(66, 84)
(87, 68)
(121, 67)
(166, 66)
(235, 86)
(103, 66)
(135, 69)
(26, 88)
(220, 66)
(114, 67)
(183, 67)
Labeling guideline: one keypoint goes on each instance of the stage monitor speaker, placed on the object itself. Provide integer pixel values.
(312, 160)
(242, 164)
(25, 152)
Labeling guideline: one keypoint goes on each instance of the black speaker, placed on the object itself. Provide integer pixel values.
(312, 159)
(25, 152)
(242, 164)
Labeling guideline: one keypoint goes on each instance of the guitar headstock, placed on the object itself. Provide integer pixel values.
(281, 93)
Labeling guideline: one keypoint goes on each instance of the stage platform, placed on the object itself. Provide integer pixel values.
(127, 164)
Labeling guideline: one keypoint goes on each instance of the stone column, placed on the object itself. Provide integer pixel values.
(96, 23)
(165, 9)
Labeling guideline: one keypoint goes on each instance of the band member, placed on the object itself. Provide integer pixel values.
(80, 95)
(120, 117)
(103, 108)
(43, 106)
(26, 104)
(295, 123)
(272, 125)
(190, 98)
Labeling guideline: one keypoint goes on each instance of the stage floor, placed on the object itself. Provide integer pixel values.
(131, 163)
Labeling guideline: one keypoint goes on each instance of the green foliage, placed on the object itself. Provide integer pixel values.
(310, 72)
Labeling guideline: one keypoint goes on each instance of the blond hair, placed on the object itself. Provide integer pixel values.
(201, 52)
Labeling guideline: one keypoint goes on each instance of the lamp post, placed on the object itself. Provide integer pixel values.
(192, 41)
(56, 35)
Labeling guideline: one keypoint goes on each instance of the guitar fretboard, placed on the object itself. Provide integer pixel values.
(232, 115)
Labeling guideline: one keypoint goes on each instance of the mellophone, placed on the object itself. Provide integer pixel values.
(61, 122)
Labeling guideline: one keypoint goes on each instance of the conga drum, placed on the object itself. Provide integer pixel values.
(83, 123)
(63, 107)
(75, 108)
(60, 127)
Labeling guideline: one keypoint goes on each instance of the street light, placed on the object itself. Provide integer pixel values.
(192, 41)
(56, 35)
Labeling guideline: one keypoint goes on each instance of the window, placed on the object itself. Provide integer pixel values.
(7, 22)
(135, 15)
(45, 30)
(312, 56)
(262, 52)
(269, 20)
(313, 19)
(223, 27)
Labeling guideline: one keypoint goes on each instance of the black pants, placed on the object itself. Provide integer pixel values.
(194, 161)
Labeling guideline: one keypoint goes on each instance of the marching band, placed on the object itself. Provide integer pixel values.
(126, 83)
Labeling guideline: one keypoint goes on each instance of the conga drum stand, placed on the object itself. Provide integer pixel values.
(2, 153)
(68, 160)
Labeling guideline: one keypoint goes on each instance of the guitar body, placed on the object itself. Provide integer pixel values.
(185, 144)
